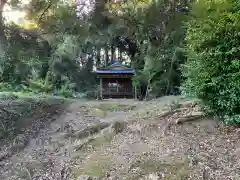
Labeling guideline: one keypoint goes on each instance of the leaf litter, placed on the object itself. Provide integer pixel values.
(168, 138)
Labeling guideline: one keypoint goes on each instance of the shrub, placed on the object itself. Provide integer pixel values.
(212, 69)
(40, 86)
(93, 93)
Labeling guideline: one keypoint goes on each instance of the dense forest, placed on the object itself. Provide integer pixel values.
(177, 47)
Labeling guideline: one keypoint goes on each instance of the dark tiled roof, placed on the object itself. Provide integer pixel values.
(130, 71)
(116, 68)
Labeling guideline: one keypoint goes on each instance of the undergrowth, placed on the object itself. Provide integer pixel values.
(212, 68)
(19, 114)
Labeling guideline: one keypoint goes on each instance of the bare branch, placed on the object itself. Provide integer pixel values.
(44, 11)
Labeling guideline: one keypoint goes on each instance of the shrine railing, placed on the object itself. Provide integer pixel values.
(115, 90)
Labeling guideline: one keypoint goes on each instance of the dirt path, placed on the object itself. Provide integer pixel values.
(125, 139)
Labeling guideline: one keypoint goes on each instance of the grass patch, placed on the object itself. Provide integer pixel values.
(172, 170)
(102, 109)
(98, 112)
(23, 173)
(96, 165)
(101, 140)
(90, 130)
(93, 143)
(115, 107)
(117, 127)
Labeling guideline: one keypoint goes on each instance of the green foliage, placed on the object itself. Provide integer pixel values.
(55, 48)
(165, 71)
(213, 69)
(67, 90)
(162, 53)
(55, 51)
(38, 86)
(92, 93)
(140, 78)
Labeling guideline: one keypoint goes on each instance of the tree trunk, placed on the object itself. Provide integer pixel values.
(90, 63)
(170, 80)
(98, 57)
(45, 63)
(112, 53)
(120, 55)
(2, 35)
(106, 56)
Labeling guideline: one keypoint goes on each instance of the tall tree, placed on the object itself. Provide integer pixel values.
(2, 35)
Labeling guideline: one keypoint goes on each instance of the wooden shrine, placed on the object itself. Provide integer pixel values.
(116, 81)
